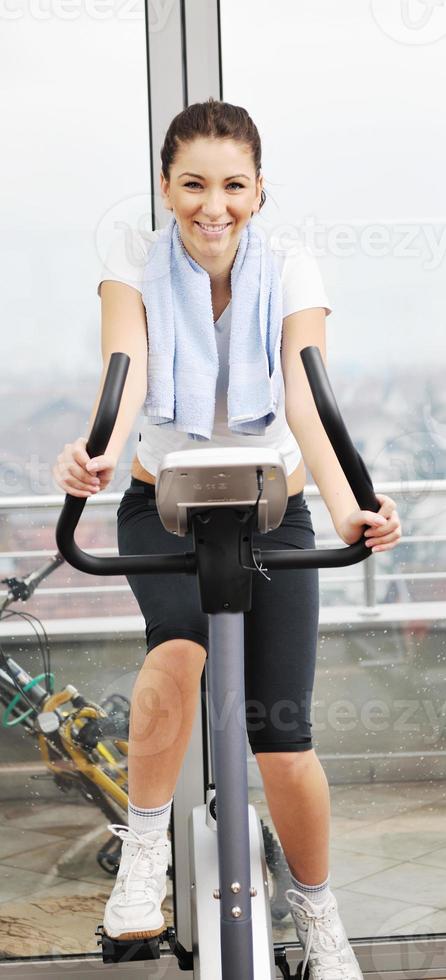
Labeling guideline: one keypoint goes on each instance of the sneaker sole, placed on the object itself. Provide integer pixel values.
(145, 934)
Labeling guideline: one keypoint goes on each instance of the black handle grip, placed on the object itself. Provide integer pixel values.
(349, 458)
(109, 403)
(97, 443)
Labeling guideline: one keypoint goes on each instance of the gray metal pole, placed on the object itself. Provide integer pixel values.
(226, 676)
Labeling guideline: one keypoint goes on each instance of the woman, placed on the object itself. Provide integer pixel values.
(211, 182)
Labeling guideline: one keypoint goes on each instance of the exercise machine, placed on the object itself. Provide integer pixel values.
(222, 496)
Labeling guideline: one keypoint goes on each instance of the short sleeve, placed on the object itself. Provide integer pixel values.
(125, 258)
(302, 285)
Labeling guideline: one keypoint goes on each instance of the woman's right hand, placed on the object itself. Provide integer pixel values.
(78, 474)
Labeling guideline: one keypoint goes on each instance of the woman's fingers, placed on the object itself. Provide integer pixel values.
(393, 536)
(377, 520)
(391, 524)
(384, 535)
(80, 473)
(70, 472)
(381, 544)
(74, 475)
(387, 502)
(100, 463)
(71, 484)
(75, 492)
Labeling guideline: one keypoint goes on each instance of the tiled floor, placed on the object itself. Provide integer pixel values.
(388, 867)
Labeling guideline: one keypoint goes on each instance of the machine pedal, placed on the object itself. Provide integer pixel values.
(128, 950)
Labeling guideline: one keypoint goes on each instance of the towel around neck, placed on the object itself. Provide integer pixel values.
(183, 358)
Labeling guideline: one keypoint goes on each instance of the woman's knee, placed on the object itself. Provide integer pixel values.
(181, 657)
(279, 762)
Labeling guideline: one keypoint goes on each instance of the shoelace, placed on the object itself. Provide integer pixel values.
(150, 846)
(315, 915)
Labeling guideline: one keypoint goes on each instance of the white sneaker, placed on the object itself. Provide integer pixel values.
(324, 939)
(133, 910)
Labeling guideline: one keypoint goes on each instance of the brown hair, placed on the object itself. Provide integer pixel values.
(221, 120)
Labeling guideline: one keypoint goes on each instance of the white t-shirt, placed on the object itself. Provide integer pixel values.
(302, 288)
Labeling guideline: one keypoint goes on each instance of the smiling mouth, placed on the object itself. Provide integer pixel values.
(216, 228)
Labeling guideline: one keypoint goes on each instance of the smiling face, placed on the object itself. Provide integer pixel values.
(212, 191)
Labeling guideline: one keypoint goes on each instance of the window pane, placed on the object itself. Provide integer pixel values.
(75, 174)
(347, 99)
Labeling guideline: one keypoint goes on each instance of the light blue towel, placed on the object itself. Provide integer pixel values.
(183, 357)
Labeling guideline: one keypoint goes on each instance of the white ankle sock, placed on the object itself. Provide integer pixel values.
(316, 893)
(144, 819)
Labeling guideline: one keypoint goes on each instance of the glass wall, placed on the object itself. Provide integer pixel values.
(347, 100)
(75, 174)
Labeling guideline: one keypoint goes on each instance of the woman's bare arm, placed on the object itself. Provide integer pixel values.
(303, 329)
(123, 328)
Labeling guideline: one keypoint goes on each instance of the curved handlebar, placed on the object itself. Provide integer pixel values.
(349, 458)
(351, 462)
(108, 408)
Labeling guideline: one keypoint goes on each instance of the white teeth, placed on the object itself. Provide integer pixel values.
(211, 227)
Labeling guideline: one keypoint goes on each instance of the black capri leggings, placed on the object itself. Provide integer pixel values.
(280, 630)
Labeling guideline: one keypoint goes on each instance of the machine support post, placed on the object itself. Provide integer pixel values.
(228, 732)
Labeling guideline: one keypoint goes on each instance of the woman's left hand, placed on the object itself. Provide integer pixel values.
(384, 529)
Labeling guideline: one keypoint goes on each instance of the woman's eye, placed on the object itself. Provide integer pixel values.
(234, 183)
